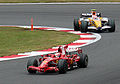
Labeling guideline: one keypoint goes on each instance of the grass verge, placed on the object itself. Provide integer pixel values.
(49, 1)
(15, 40)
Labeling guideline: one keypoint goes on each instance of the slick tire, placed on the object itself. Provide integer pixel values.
(62, 66)
(76, 24)
(83, 62)
(84, 26)
(32, 62)
(71, 67)
(112, 24)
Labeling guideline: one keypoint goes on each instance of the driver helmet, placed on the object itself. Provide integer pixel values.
(93, 11)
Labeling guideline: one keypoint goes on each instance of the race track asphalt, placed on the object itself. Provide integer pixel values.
(104, 55)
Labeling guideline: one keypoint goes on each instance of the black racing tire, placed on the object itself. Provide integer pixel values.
(62, 66)
(32, 62)
(84, 26)
(83, 62)
(76, 24)
(71, 67)
(111, 23)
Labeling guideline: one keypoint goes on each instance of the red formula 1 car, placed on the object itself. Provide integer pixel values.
(60, 62)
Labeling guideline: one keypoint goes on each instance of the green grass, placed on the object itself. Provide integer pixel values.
(47, 1)
(17, 40)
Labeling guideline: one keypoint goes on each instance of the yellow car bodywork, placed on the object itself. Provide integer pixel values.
(95, 22)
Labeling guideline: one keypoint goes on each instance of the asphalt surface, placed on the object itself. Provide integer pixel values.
(104, 57)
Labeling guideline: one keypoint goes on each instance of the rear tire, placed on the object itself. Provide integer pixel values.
(112, 24)
(62, 66)
(32, 62)
(83, 62)
(84, 26)
(76, 24)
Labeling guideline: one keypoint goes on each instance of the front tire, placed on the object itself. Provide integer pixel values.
(84, 26)
(62, 66)
(83, 62)
(112, 24)
(32, 62)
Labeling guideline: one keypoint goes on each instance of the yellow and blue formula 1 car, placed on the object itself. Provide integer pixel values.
(93, 21)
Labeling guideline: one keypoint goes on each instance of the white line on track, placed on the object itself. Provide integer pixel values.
(87, 36)
(65, 3)
(82, 41)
